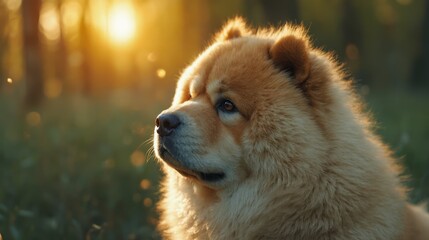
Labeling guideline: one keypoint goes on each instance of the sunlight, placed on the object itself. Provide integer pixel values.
(121, 23)
(49, 22)
(71, 14)
(12, 5)
(161, 73)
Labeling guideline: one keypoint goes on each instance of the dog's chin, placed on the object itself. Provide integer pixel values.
(206, 177)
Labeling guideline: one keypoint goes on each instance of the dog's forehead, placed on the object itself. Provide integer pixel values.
(213, 87)
(197, 85)
(221, 66)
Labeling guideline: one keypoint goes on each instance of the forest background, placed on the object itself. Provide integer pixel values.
(82, 81)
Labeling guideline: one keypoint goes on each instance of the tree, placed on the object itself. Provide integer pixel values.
(421, 70)
(32, 52)
(3, 42)
(277, 11)
(351, 34)
(85, 38)
(61, 53)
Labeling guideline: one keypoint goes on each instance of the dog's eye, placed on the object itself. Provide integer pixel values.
(226, 106)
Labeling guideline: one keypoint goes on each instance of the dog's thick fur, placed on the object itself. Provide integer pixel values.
(294, 157)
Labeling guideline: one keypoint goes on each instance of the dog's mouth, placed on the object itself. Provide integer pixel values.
(210, 177)
(206, 177)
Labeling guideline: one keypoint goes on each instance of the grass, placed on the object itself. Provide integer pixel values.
(77, 168)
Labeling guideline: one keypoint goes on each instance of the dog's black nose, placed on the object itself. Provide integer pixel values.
(166, 123)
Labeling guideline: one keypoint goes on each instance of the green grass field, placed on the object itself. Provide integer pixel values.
(79, 168)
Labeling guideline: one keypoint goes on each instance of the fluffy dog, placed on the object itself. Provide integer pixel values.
(266, 140)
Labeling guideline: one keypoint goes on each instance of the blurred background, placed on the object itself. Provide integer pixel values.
(81, 82)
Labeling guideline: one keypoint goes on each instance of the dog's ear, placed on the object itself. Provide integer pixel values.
(291, 54)
(234, 28)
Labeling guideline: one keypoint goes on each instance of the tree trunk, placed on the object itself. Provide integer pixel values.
(352, 33)
(277, 11)
(32, 52)
(85, 44)
(61, 52)
(4, 44)
(421, 69)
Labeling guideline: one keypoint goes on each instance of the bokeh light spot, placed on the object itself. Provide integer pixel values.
(147, 202)
(33, 119)
(137, 158)
(145, 184)
(151, 57)
(352, 51)
(53, 88)
(70, 15)
(161, 73)
(12, 5)
(9, 80)
(50, 22)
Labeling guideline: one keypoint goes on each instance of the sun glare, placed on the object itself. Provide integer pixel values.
(50, 22)
(121, 23)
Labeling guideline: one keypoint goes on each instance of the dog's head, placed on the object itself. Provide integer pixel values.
(242, 108)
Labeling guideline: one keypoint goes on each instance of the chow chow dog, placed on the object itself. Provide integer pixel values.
(265, 139)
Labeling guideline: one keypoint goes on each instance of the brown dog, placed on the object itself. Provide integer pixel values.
(266, 140)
